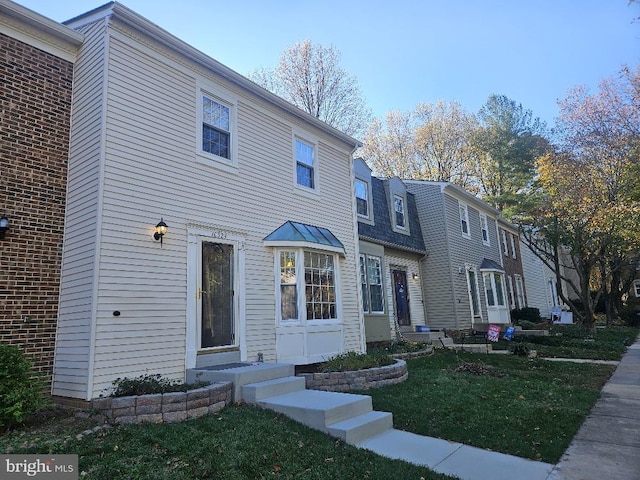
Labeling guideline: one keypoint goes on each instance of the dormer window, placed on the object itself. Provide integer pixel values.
(398, 207)
(362, 198)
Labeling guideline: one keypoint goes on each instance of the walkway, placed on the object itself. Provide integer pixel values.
(607, 446)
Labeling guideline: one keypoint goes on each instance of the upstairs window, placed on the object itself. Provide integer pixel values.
(464, 220)
(305, 164)
(636, 288)
(216, 128)
(398, 206)
(505, 247)
(362, 198)
(484, 228)
(512, 237)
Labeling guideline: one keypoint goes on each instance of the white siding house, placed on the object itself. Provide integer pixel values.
(259, 258)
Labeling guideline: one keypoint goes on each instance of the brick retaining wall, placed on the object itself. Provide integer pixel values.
(357, 380)
(165, 407)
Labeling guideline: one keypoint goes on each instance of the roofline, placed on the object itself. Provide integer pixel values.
(40, 22)
(395, 246)
(136, 21)
(452, 188)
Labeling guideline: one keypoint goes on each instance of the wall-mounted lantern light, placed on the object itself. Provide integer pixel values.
(161, 230)
(4, 226)
(415, 276)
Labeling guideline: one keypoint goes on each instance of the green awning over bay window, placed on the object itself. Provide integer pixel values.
(295, 234)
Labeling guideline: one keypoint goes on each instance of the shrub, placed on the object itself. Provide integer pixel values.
(520, 349)
(350, 361)
(148, 384)
(630, 315)
(21, 389)
(528, 314)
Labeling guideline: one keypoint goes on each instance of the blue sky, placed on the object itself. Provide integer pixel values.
(404, 52)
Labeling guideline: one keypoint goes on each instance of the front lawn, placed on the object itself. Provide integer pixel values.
(241, 442)
(506, 403)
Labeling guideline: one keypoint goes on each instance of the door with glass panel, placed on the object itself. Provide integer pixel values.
(216, 296)
(402, 297)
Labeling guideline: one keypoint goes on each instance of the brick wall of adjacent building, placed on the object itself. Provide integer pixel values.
(35, 105)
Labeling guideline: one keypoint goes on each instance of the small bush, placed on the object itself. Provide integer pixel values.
(148, 384)
(393, 347)
(630, 315)
(520, 349)
(351, 361)
(21, 389)
(528, 314)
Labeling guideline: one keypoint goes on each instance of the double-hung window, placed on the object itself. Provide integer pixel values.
(505, 247)
(398, 207)
(484, 228)
(305, 163)
(636, 288)
(371, 281)
(307, 285)
(216, 127)
(464, 220)
(362, 198)
(512, 237)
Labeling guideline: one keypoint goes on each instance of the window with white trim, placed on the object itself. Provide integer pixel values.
(636, 288)
(305, 163)
(513, 245)
(371, 281)
(362, 198)
(216, 127)
(520, 291)
(512, 297)
(464, 220)
(398, 208)
(484, 228)
(505, 246)
(307, 285)
(494, 288)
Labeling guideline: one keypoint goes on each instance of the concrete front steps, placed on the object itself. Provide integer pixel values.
(346, 416)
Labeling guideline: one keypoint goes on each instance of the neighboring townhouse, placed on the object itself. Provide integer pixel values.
(36, 67)
(509, 237)
(462, 277)
(208, 220)
(540, 283)
(391, 251)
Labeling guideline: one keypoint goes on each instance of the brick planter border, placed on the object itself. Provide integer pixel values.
(359, 379)
(165, 407)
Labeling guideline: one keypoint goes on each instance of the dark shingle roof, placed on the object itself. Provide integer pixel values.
(382, 232)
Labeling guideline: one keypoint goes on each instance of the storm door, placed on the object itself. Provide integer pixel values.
(215, 294)
(402, 297)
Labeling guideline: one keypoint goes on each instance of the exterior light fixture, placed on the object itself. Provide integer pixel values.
(161, 230)
(415, 276)
(4, 226)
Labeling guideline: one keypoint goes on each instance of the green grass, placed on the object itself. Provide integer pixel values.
(571, 341)
(528, 408)
(241, 442)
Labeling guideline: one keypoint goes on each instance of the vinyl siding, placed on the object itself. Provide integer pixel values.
(436, 268)
(536, 276)
(73, 337)
(151, 171)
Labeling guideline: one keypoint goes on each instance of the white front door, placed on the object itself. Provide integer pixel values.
(215, 316)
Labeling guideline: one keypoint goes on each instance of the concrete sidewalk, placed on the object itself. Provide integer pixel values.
(607, 446)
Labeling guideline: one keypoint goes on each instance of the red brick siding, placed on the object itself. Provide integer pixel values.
(35, 106)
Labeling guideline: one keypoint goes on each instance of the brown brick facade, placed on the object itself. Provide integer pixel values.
(35, 108)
